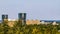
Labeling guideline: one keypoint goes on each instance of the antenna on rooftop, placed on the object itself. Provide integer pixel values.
(4, 10)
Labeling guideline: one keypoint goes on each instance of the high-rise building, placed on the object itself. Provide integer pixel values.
(22, 18)
(4, 17)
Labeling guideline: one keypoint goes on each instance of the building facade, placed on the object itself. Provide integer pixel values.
(4, 17)
(32, 22)
(22, 18)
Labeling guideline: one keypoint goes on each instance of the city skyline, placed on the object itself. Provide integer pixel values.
(35, 9)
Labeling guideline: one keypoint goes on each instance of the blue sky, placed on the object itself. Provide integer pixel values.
(35, 9)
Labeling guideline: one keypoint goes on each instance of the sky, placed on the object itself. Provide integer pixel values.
(35, 9)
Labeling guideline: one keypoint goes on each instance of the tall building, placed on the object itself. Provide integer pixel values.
(22, 18)
(4, 17)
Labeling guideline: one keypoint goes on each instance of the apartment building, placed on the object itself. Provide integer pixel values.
(29, 22)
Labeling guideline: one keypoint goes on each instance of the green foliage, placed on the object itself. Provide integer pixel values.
(29, 29)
